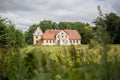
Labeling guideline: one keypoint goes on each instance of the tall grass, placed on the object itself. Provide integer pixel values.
(63, 63)
(77, 64)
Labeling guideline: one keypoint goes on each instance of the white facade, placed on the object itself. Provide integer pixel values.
(37, 35)
(61, 38)
(49, 42)
(66, 42)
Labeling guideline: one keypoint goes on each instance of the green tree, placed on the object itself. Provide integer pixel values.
(65, 25)
(15, 37)
(54, 25)
(3, 32)
(11, 40)
(112, 22)
(29, 33)
(3, 45)
(46, 24)
(102, 36)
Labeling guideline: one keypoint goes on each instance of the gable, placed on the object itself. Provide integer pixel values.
(38, 31)
(62, 33)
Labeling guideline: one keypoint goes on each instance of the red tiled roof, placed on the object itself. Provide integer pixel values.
(73, 34)
(51, 34)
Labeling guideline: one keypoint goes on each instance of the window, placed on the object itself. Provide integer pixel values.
(73, 41)
(36, 37)
(50, 41)
(46, 41)
(70, 41)
(62, 36)
(77, 41)
(53, 41)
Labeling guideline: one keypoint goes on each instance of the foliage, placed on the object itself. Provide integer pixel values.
(74, 63)
(104, 40)
(30, 64)
(112, 22)
(46, 24)
(10, 40)
(15, 37)
(29, 34)
(3, 32)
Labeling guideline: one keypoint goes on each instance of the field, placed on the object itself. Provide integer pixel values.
(64, 51)
(81, 62)
(55, 50)
(75, 62)
(60, 49)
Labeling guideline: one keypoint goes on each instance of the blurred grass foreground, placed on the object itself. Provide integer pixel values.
(63, 63)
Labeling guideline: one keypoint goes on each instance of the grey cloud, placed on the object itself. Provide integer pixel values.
(23, 13)
(116, 6)
(23, 5)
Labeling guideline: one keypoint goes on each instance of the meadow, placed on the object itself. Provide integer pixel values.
(81, 62)
(75, 62)
(65, 49)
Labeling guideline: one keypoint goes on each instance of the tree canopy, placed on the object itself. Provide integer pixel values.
(9, 36)
(112, 22)
(11, 40)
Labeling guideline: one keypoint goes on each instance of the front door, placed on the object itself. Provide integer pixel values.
(62, 42)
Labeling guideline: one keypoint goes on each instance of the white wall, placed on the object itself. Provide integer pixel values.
(62, 37)
(35, 39)
(75, 42)
(49, 42)
(38, 32)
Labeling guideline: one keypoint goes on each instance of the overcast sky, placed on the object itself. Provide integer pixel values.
(24, 13)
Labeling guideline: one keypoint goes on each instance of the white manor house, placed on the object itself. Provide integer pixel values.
(56, 37)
